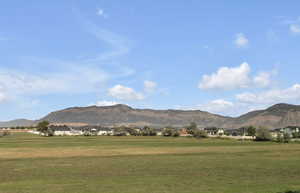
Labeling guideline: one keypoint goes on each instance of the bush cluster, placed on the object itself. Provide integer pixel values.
(4, 133)
(170, 132)
(263, 134)
(200, 134)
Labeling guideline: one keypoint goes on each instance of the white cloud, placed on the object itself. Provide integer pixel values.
(241, 41)
(119, 45)
(289, 95)
(272, 36)
(106, 103)
(295, 28)
(217, 106)
(3, 97)
(263, 79)
(149, 86)
(78, 76)
(227, 78)
(76, 80)
(125, 93)
(287, 20)
(294, 24)
(100, 12)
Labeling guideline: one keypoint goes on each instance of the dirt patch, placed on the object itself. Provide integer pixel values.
(15, 153)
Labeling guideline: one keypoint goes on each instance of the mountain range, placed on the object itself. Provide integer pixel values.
(276, 116)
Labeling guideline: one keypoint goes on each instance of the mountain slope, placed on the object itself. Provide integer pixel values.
(279, 115)
(17, 122)
(125, 115)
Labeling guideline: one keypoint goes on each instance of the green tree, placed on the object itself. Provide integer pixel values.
(43, 127)
(147, 131)
(175, 133)
(251, 131)
(170, 132)
(4, 133)
(133, 131)
(263, 134)
(286, 138)
(200, 134)
(120, 131)
(279, 138)
(191, 128)
(296, 135)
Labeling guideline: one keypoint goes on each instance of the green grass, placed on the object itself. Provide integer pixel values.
(34, 164)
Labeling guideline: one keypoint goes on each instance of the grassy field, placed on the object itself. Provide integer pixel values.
(34, 164)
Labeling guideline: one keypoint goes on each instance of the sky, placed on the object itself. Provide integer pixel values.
(223, 56)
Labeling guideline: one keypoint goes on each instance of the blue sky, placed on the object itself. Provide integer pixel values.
(226, 57)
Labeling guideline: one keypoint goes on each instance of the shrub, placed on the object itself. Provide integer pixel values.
(175, 133)
(279, 138)
(191, 128)
(226, 133)
(200, 134)
(147, 131)
(296, 135)
(134, 131)
(4, 133)
(43, 126)
(87, 133)
(120, 131)
(286, 138)
(170, 132)
(50, 132)
(263, 134)
(251, 131)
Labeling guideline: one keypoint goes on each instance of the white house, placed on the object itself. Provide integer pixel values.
(60, 130)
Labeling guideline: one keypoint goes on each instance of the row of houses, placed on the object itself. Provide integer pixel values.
(291, 131)
(63, 130)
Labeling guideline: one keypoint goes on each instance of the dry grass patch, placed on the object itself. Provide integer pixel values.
(63, 152)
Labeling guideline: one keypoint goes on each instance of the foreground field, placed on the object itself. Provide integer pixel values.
(33, 164)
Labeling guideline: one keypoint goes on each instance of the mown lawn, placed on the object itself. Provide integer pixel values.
(34, 164)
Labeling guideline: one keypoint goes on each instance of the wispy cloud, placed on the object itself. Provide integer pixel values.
(2, 38)
(288, 20)
(295, 28)
(294, 24)
(149, 86)
(76, 80)
(75, 76)
(100, 12)
(125, 93)
(106, 103)
(241, 41)
(291, 94)
(119, 45)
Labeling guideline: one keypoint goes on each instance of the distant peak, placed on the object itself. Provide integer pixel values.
(116, 106)
(282, 106)
(121, 106)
